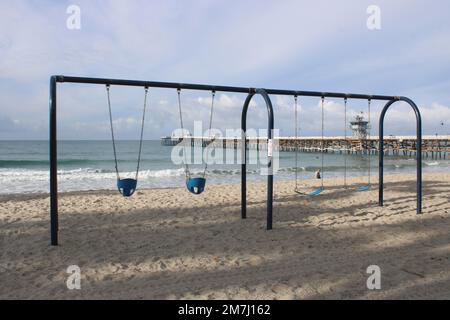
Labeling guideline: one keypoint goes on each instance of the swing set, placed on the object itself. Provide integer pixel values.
(196, 185)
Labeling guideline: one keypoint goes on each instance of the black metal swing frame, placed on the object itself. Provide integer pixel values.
(251, 92)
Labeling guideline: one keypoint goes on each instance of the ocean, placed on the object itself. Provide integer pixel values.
(89, 165)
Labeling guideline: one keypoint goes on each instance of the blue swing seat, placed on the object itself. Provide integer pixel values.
(127, 187)
(316, 192)
(362, 188)
(196, 185)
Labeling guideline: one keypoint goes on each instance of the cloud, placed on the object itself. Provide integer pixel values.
(11, 129)
(432, 117)
(436, 114)
(304, 45)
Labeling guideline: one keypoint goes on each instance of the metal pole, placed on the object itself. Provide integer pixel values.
(418, 149)
(203, 87)
(381, 154)
(270, 128)
(244, 156)
(53, 165)
(419, 164)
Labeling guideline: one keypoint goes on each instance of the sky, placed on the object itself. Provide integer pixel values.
(299, 45)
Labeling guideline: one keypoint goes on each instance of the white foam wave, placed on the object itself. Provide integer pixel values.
(83, 179)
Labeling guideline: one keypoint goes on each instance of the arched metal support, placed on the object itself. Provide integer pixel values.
(418, 151)
(270, 127)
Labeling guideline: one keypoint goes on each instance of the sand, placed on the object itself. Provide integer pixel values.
(168, 244)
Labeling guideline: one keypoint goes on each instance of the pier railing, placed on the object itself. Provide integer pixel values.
(435, 147)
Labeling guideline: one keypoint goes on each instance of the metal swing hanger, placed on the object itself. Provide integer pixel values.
(127, 187)
(195, 185)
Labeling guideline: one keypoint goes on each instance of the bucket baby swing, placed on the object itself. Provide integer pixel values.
(126, 187)
(195, 185)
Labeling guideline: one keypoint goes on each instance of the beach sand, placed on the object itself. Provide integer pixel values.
(169, 244)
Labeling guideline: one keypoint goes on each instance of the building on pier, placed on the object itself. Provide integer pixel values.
(360, 128)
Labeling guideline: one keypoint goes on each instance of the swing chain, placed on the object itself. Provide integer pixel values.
(187, 171)
(322, 142)
(112, 131)
(213, 96)
(186, 166)
(296, 143)
(346, 149)
(113, 137)
(369, 142)
(142, 133)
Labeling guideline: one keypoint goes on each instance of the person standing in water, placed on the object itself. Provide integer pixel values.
(318, 176)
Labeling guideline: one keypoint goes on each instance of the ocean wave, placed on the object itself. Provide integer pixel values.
(32, 180)
(61, 162)
(93, 172)
(22, 163)
(41, 163)
(162, 173)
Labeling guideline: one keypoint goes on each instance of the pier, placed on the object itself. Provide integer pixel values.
(434, 147)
